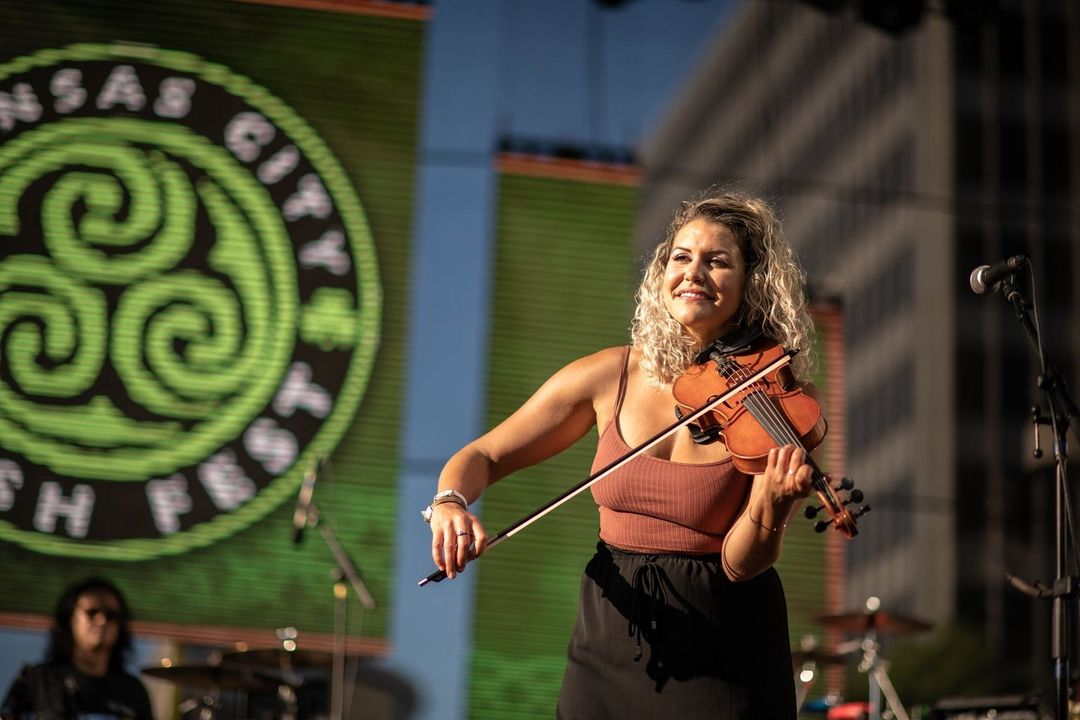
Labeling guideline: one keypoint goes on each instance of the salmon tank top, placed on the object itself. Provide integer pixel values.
(651, 505)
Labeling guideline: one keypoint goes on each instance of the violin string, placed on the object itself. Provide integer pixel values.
(765, 408)
(768, 423)
(770, 418)
(766, 413)
(774, 423)
(780, 429)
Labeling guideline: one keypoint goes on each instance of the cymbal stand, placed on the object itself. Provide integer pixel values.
(805, 682)
(287, 679)
(346, 570)
(876, 670)
(808, 674)
(341, 620)
(807, 678)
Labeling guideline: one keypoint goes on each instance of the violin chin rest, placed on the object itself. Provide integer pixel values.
(704, 435)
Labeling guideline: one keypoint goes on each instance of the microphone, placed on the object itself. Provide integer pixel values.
(303, 503)
(986, 278)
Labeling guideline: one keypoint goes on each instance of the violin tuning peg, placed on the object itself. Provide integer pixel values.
(845, 483)
(855, 497)
(811, 512)
(822, 525)
(859, 512)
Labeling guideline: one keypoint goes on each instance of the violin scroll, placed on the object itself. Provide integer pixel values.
(840, 517)
(843, 519)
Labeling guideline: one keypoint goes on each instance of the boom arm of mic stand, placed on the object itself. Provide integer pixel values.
(341, 557)
(1057, 392)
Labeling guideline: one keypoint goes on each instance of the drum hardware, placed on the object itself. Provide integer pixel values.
(292, 663)
(806, 659)
(874, 623)
(216, 678)
(1001, 707)
(208, 706)
(818, 656)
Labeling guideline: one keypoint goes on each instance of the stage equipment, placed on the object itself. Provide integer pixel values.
(346, 570)
(805, 659)
(1062, 418)
(874, 623)
(1006, 707)
(880, 622)
(213, 679)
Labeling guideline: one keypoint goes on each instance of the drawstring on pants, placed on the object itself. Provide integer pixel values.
(648, 585)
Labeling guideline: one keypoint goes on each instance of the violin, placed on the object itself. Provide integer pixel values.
(769, 412)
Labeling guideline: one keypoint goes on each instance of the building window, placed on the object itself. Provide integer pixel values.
(880, 409)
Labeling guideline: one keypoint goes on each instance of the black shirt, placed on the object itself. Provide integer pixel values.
(57, 691)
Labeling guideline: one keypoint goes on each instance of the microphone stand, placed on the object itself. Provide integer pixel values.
(1063, 411)
(346, 570)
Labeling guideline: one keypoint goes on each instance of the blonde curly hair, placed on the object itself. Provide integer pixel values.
(774, 295)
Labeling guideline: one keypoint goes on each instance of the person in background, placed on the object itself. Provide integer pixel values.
(681, 614)
(83, 676)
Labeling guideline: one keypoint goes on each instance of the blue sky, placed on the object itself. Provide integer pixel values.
(573, 70)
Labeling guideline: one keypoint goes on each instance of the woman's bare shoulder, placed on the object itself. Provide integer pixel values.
(596, 370)
(598, 362)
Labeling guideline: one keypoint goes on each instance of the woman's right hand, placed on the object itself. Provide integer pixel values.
(457, 536)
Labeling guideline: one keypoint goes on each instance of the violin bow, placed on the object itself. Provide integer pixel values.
(514, 528)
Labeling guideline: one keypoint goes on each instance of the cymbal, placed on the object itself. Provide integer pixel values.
(214, 676)
(880, 621)
(817, 655)
(279, 659)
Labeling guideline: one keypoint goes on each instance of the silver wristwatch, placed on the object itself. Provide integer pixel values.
(445, 496)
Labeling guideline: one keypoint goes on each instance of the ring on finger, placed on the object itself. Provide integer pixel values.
(464, 532)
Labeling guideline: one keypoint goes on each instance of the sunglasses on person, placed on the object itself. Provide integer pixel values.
(110, 614)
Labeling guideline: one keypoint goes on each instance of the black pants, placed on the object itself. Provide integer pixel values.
(669, 636)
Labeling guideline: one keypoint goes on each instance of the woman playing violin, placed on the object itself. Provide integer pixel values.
(681, 612)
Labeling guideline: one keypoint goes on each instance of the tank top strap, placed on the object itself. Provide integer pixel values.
(622, 385)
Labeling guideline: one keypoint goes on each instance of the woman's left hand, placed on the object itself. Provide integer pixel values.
(786, 477)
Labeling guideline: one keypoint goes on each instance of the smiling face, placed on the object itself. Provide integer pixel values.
(703, 279)
(95, 623)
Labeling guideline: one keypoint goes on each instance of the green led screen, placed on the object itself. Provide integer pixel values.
(563, 285)
(202, 206)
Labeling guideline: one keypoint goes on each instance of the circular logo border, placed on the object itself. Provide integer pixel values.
(369, 292)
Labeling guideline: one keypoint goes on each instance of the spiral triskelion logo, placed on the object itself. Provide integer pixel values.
(189, 301)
